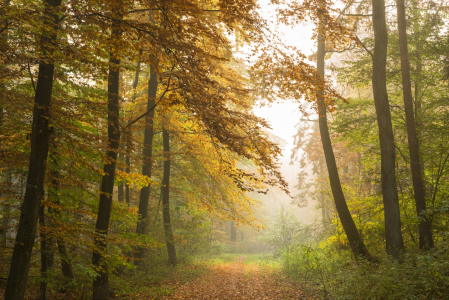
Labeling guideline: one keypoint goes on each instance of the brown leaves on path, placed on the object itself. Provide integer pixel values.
(239, 281)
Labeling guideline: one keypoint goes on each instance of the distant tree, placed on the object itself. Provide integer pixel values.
(169, 239)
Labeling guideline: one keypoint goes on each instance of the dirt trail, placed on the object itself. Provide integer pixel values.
(239, 281)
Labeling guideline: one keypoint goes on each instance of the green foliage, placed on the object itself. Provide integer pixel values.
(335, 275)
(286, 230)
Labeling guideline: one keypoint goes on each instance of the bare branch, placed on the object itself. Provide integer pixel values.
(357, 15)
(31, 76)
(363, 45)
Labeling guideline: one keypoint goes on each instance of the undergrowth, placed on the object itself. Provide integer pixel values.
(334, 274)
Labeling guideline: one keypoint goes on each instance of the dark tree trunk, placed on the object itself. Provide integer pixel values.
(136, 77)
(51, 248)
(128, 135)
(20, 263)
(44, 257)
(355, 241)
(120, 189)
(233, 232)
(101, 289)
(425, 234)
(393, 235)
(142, 222)
(169, 241)
(66, 265)
(128, 167)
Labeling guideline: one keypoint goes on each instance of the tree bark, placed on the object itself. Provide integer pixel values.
(425, 234)
(147, 153)
(393, 235)
(169, 241)
(20, 263)
(355, 241)
(101, 288)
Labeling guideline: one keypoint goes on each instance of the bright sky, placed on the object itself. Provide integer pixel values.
(284, 116)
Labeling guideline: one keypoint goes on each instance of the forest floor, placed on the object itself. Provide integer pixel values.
(222, 277)
(239, 279)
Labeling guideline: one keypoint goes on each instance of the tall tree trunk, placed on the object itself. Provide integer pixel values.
(66, 265)
(233, 232)
(169, 241)
(355, 241)
(136, 77)
(20, 263)
(128, 166)
(51, 249)
(393, 235)
(425, 234)
(101, 289)
(128, 134)
(147, 153)
(120, 189)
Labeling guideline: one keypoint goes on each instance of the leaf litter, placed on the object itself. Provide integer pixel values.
(237, 280)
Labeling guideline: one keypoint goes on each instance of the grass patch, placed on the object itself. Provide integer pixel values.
(221, 258)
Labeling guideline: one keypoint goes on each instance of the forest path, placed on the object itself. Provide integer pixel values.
(239, 280)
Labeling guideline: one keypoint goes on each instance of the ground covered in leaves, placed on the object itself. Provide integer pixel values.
(227, 276)
(239, 280)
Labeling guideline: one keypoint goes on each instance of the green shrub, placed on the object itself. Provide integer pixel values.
(335, 275)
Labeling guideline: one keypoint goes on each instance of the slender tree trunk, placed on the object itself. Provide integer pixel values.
(147, 153)
(233, 232)
(20, 263)
(169, 241)
(355, 241)
(44, 257)
(128, 135)
(425, 234)
(101, 289)
(136, 77)
(66, 265)
(51, 248)
(128, 167)
(120, 189)
(393, 235)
